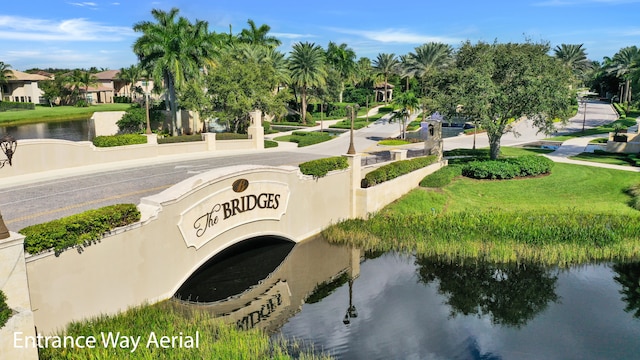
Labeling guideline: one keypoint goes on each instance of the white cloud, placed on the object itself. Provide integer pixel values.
(397, 36)
(22, 28)
(292, 36)
(84, 4)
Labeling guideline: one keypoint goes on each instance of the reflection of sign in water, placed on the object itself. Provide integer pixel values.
(264, 307)
(239, 204)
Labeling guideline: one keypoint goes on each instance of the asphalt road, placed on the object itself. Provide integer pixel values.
(40, 201)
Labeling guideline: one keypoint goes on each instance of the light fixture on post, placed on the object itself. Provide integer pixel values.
(8, 146)
(352, 110)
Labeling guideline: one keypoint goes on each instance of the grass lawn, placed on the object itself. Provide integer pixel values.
(305, 138)
(605, 158)
(630, 120)
(56, 113)
(576, 214)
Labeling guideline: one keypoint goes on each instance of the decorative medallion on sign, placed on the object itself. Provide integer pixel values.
(240, 185)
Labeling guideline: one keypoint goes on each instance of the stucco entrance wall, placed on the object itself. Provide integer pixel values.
(181, 228)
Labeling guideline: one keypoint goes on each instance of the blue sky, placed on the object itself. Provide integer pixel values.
(76, 34)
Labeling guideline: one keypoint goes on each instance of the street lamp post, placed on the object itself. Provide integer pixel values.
(584, 113)
(8, 146)
(146, 102)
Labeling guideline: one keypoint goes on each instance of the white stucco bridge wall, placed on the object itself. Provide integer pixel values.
(183, 227)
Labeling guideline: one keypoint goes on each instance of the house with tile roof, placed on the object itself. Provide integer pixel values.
(23, 87)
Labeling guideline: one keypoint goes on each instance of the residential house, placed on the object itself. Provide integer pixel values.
(23, 87)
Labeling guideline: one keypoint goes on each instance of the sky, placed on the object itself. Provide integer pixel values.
(77, 34)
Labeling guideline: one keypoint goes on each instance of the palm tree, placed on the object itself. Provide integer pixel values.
(409, 102)
(626, 64)
(429, 58)
(575, 57)
(5, 75)
(342, 59)
(258, 35)
(130, 76)
(405, 69)
(385, 64)
(175, 50)
(79, 79)
(363, 74)
(307, 67)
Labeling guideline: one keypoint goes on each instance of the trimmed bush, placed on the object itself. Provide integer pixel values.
(78, 230)
(10, 105)
(5, 312)
(319, 168)
(119, 140)
(179, 139)
(231, 136)
(442, 177)
(509, 168)
(270, 144)
(396, 169)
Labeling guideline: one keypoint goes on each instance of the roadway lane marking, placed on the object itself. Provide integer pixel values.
(49, 212)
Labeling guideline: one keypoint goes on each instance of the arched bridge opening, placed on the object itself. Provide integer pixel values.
(235, 269)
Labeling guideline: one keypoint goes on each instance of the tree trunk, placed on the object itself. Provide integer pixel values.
(627, 94)
(494, 147)
(303, 98)
(173, 107)
(341, 92)
(385, 89)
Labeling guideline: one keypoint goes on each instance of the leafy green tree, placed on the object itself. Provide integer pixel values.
(342, 59)
(255, 35)
(240, 85)
(511, 294)
(307, 69)
(499, 83)
(408, 103)
(5, 75)
(363, 76)
(55, 89)
(385, 64)
(174, 50)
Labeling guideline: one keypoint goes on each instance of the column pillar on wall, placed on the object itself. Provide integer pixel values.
(398, 154)
(355, 166)
(255, 130)
(14, 284)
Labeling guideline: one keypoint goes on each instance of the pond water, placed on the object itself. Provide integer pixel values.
(403, 307)
(76, 130)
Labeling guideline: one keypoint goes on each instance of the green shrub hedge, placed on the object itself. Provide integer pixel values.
(396, 169)
(179, 139)
(528, 165)
(119, 140)
(231, 136)
(442, 177)
(305, 138)
(620, 108)
(78, 230)
(319, 168)
(11, 105)
(5, 312)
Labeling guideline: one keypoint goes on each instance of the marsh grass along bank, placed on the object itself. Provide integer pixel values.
(166, 330)
(577, 214)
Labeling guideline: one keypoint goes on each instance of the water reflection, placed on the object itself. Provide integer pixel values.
(395, 306)
(76, 130)
(628, 275)
(510, 294)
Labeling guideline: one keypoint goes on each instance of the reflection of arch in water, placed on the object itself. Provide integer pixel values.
(235, 269)
(272, 300)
